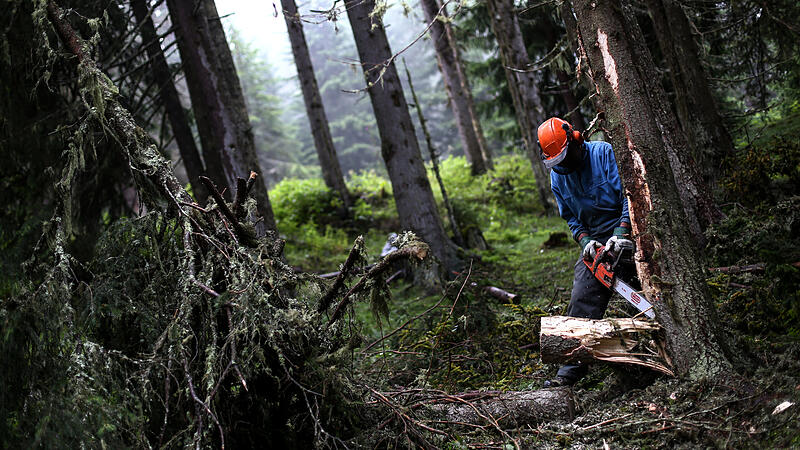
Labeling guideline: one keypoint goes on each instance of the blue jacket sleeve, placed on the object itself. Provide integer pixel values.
(613, 177)
(563, 210)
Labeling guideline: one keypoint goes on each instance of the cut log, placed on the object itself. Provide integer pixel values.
(624, 341)
(505, 409)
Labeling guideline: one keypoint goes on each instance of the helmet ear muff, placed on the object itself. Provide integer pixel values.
(577, 136)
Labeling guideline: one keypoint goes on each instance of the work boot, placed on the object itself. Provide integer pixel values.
(558, 382)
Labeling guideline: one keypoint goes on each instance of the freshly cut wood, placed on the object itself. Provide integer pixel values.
(505, 409)
(624, 341)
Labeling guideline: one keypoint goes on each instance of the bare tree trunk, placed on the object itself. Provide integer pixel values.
(412, 190)
(450, 69)
(323, 141)
(697, 111)
(524, 91)
(171, 101)
(465, 87)
(217, 101)
(644, 131)
(458, 238)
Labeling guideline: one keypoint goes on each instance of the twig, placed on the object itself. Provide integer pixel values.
(201, 403)
(759, 267)
(419, 252)
(353, 257)
(237, 227)
(606, 422)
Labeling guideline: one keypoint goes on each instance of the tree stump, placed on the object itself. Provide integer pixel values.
(624, 341)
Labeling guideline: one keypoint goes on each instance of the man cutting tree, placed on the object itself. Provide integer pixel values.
(585, 181)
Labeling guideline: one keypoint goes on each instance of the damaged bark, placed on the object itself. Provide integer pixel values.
(646, 139)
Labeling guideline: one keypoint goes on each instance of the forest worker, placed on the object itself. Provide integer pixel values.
(585, 181)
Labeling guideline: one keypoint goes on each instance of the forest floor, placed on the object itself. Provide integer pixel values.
(465, 340)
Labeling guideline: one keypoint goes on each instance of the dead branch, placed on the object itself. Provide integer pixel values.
(347, 269)
(243, 236)
(758, 267)
(415, 251)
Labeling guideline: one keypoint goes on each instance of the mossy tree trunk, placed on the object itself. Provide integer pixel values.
(323, 141)
(697, 111)
(449, 67)
(643, 131)
(172, 104)
(217, 100)
(523, 87)
(399, 147)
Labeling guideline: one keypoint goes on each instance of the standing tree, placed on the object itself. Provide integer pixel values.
(643, 131)
(697, 111)
(323, 141)
(399, 148)
(217, 100)
(524, 91)
(171, 101)
(453, 74)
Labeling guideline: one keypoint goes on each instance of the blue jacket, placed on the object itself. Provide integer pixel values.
(590, 198)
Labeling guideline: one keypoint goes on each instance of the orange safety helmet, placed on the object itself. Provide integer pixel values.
(554, 136)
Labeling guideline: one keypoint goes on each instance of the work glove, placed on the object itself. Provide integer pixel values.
(590, 248)
(619, 242)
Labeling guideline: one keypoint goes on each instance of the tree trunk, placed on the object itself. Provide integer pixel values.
(412, 190)
(573, 115)
(505, 409)
(171, 101)
(575, 340)
(323, 141)
(450, 69)
(217, 101)
(524, 90)
(643, 131)
(465, 87)
(582, 72)
(697, 111)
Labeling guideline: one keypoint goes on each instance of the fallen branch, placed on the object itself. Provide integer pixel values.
(504, 409)
(347, 269)
(240, 232)
(759, 267)
(414, 251)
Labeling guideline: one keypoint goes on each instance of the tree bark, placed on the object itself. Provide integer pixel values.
(524, 91)
(323, 141)
(452, 74)
(465, 87)
(697, 110)
(171, 101)
(505, 409)
(643, 132)
(399, 147)
(217, 101)
(575, 340)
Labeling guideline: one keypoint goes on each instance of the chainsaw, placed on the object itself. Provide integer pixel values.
(603, 267)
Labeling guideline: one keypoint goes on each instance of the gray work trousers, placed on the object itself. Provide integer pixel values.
(589, 300)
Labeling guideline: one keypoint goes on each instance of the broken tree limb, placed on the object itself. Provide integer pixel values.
(243, 236)
(759, 267)
(505, 409)
(418, 251)
(623, 341)
(348, 268)
(499, 294)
